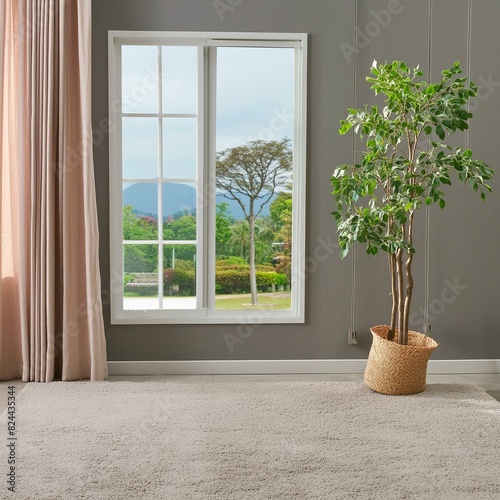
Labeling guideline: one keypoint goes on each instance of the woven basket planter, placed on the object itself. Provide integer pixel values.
(398, 369)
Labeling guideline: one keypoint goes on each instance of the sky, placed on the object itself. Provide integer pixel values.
(254, 101)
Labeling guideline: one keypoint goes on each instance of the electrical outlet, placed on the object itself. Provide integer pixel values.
(351, 337)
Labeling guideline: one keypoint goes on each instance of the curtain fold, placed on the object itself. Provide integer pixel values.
(51, 322)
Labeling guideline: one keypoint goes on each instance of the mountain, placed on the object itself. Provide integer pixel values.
(176, 198)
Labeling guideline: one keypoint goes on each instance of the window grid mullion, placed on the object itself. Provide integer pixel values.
(201, 207)
(160, 175)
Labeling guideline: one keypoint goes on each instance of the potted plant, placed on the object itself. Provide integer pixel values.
(405, 164)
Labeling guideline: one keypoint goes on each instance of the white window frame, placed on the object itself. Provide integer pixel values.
(205, 269)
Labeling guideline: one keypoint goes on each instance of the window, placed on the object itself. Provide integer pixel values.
(207, 176)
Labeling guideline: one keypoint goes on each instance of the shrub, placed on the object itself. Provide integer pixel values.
(185, 265)
(268, 279)
(239, 261)
(284, 266)
(265, 280)
(181, 279)
(230, 281)
(241, 267)
(265, 268)
(232, 267)
(281, 280)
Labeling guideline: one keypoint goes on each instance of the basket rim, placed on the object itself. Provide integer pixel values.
(431, 344)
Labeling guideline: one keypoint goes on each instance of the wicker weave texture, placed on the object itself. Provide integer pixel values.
(396, 369)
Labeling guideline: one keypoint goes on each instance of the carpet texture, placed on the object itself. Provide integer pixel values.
(267, 440)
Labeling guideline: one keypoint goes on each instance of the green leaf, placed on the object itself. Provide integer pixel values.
(442, 203)
(345, 127)
(448, 124)
(440, 132)
(463, 114)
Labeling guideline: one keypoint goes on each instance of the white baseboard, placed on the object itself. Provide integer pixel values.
(439, 366)
(225, 367)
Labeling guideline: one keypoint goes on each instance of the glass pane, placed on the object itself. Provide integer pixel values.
(255, 95)
(179, 288)
(180, 79)
(179, 148)
(140, 277)
(140, 148)
(179, 211)
(139, 79)
(140, 211)
(255, 105)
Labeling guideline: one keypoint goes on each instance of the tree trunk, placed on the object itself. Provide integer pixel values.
(409, 280)
(251, 256)
(409, 293)
(394, 293)
(399, 263)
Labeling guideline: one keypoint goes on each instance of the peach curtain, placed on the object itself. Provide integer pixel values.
(51, 323)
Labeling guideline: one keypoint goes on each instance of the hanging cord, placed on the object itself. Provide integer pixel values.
(469, 52)
(354, 77)
(426, 325)
(427, 209)
(426, 269)
(353, 289)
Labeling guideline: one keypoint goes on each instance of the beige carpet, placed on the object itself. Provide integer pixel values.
(266, 440)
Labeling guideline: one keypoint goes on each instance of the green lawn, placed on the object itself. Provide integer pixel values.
(267, 301)
(278, 300)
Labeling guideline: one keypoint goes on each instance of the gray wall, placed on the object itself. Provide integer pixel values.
(464, 238)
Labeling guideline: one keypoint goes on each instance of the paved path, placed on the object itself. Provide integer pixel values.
(146, 303)
(142, 303)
